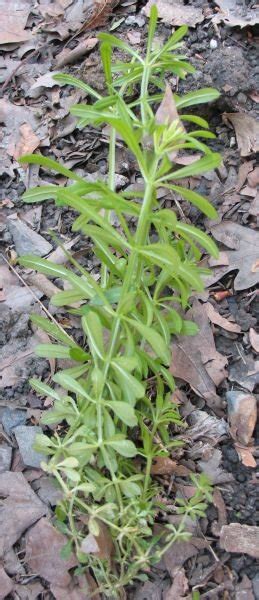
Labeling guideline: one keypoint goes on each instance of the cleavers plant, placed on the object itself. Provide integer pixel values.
(114, 407)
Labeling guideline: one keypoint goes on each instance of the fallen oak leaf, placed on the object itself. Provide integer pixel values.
(217, 319)
(243, 257)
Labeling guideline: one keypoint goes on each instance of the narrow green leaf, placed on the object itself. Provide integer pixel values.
(135, 386)
(53, 330)
(52, 351)
(70, 384)
(190, 274)
(199, 97)
(130, 489)
(43, 389)
(38, 159)
(38, 194)
(94, 331)
(199, 236)
(162, 255)
(206, 163)
(202, 203)
(154, 339)
(124, 447)
(54, 270)
(65, 79)
(124, 411)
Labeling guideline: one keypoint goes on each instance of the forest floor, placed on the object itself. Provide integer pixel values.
(216, 372)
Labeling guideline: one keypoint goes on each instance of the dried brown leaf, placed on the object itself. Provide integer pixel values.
(174, 12)
(179, 587)
(20, 508)
(27, 142)
(243, 539)
(100, 545)
(14, 16)
(217, 319)
(244, 243)
(242, 412)
(163, 465)
(246, 130)
(245, 454)
(68, 57)
(234, 14)
(196, 360)
(244, 169)
(43, 546)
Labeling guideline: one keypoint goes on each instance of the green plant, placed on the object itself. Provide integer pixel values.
(115, 414)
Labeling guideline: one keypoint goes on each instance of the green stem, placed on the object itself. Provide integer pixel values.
(111, 184)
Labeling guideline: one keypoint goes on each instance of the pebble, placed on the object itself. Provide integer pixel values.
(213, 44)
(26, 240)
(11, 418)
(5, 458)
(25, 437)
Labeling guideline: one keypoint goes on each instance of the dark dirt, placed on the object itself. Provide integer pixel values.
(229, 64)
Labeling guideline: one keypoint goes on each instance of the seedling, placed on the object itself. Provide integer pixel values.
(115, 412)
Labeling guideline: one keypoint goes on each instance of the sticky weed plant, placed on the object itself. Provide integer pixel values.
(115, 412)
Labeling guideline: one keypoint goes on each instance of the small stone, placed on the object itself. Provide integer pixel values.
(26, 240)
(213, 44)
(120, 181)
(25, 437)
(12, 418)
(6, 584)
(241, 98)
(5, 458)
